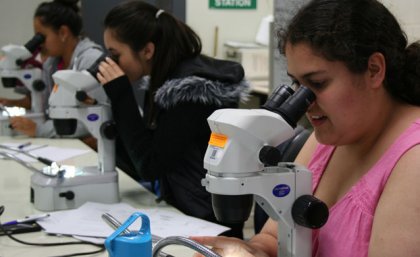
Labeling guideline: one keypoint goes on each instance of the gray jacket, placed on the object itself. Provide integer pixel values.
(84, 55)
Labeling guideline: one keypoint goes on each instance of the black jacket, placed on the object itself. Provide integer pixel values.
(173, 152)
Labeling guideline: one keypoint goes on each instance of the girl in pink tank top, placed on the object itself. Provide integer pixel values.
(365, 75)
(347, 232)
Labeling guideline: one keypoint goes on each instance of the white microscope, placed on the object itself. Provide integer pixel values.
(66, 187)
(14, 70)
(11, 70)
(242, 162)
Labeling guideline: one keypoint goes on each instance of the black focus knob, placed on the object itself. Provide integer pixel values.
(109, 130)
(310, 212)
(270, 155)
(20, 62)
(38, 85)
(81, 96)
(69, 195)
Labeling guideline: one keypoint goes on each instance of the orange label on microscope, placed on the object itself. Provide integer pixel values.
(218, 140)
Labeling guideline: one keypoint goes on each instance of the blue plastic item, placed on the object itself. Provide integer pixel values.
(138, 243)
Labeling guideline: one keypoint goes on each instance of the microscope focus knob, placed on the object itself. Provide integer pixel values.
(109, 130)
(81, 95)
(38, 85)
(69, 195)
(310, 212)
(270, 155)
(20, 62)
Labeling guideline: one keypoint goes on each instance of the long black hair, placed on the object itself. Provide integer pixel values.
(137, 23)
(60, 12)
(351, 31)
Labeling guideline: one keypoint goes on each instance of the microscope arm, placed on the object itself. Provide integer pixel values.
(242, 160)
(97, 118)
(77, 185)
(287, 182)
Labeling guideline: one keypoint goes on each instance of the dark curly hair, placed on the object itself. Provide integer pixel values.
(350, 31)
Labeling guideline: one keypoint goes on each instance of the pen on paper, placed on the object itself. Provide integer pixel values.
(20, 147)
(37, 147)
(27, 219)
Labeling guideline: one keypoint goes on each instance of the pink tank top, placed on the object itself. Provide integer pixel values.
(347, 231)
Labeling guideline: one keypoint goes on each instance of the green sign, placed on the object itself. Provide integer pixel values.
(233, 4)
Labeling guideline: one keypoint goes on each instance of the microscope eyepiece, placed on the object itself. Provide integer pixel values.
(94, 68)
(289, 104)
(35, 42)
(277, 97)
(296, 105)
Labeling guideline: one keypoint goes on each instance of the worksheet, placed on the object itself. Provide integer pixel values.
(87, 221)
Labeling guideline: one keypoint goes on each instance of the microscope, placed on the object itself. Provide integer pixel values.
(15, 70)
(242, 163)
(77, 96)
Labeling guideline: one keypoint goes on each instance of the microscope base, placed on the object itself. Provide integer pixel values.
(73, 188)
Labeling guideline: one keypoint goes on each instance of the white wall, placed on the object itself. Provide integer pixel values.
(236, 24)
(407, 13)
(16, 27)
(16, 20)
(242, 25)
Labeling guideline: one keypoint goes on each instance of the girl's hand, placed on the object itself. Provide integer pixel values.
(5, 101)
(108, 71)
(23, 125)
(228, 246)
